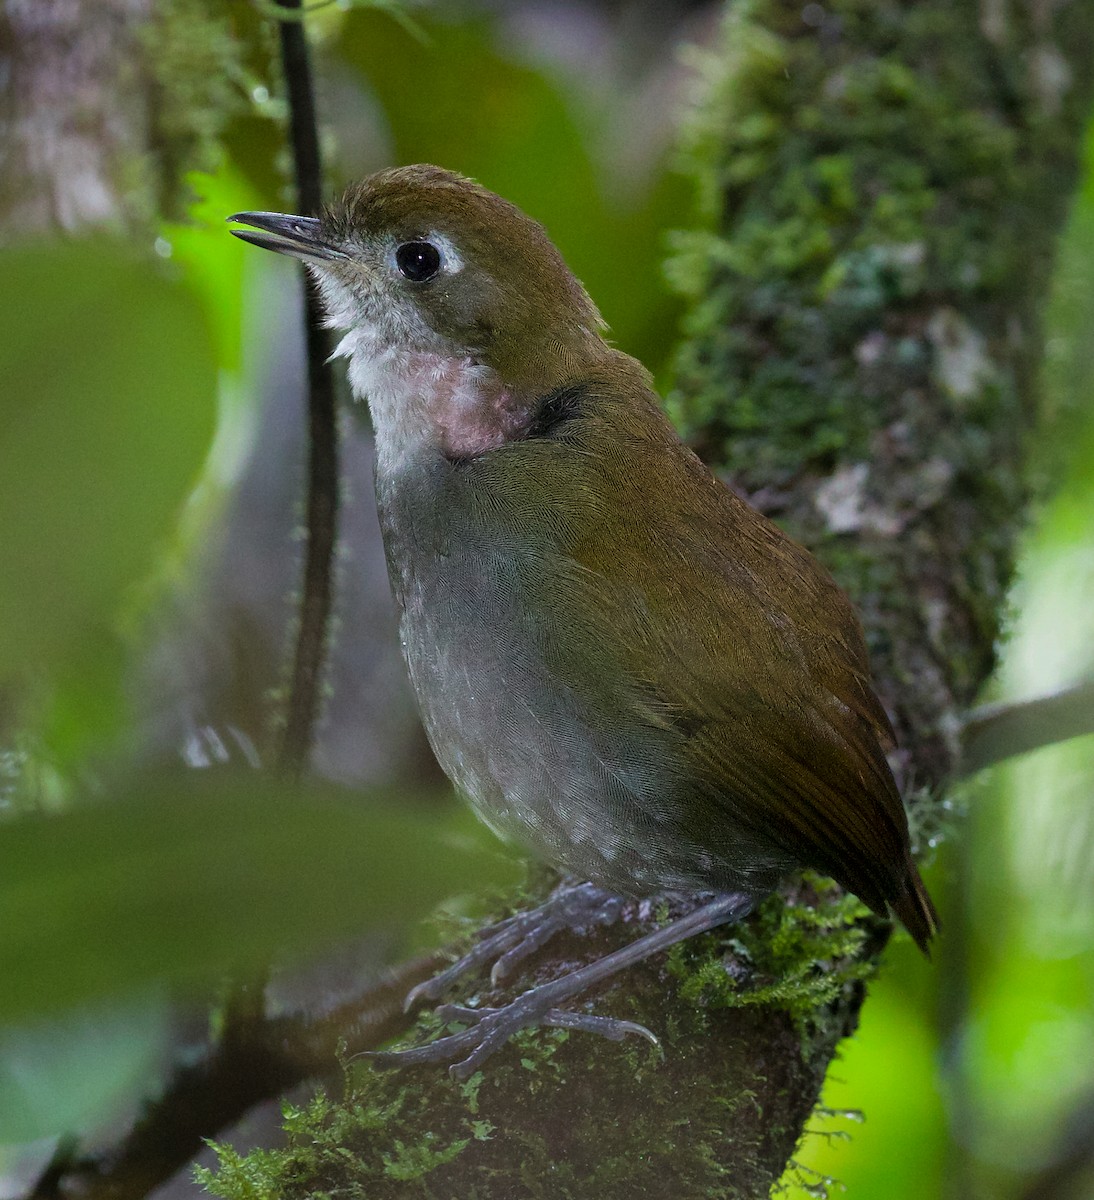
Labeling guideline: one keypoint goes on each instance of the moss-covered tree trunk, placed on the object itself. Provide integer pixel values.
(885, 183)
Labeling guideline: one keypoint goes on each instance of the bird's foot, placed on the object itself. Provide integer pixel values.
(488, 1029)
(511, 941)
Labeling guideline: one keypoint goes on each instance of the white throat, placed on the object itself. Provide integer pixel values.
(427, 399)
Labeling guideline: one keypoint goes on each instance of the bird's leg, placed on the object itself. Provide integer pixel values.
(490, 1028)
(512, 940)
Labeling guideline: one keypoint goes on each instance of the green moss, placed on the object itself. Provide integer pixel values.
(193, 60)
(413, 1162)
(846, 186)
(568, 1123)
(331, 1140)
(203, 68)
(799, 954)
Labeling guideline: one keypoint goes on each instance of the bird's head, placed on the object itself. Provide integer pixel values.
(422, 260)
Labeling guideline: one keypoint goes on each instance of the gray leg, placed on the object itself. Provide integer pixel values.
(493, 1027)
(511, 941)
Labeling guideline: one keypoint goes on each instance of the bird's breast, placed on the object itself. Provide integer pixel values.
(528, 708)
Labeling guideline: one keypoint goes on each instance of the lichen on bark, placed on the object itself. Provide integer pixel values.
(883, 185)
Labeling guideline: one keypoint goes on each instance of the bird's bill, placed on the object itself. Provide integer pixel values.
(299, 237)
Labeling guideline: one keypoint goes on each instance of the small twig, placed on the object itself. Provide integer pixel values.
(322, 501)
(996, 732)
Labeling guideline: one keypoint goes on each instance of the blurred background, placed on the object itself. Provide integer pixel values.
(149, 528)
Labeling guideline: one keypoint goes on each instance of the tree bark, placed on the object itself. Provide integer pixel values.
(66, 134)
(105, 105)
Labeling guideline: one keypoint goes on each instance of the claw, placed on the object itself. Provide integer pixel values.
(495, 940)
(528, 945)
(462, 1071)
(511, 940)
(488, 1029)
(609, 1027)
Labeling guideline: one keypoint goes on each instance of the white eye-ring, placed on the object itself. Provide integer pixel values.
(421, 259)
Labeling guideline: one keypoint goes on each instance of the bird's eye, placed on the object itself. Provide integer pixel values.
(418, 261)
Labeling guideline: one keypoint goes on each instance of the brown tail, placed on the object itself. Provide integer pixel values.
(915, 910)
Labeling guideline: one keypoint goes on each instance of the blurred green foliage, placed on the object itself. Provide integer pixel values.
(83, 1067)
(105, 419)
(181, 879)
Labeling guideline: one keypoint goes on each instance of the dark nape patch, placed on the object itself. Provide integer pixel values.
(556, 409)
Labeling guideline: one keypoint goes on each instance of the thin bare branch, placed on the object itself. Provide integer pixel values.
(321, 519)
(996, 732)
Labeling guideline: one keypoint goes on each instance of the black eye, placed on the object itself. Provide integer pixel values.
(418, 261)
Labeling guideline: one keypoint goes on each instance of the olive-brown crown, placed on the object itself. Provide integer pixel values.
(503, 293)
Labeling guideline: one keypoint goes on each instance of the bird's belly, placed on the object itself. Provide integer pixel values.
(530, 711)
(517, 744)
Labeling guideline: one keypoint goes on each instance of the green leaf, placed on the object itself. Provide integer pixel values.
(76, 1072)
(106, 415)
(185, 878)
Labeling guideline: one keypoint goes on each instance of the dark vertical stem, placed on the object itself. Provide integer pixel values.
(322, 501)
(303, 129)
(244, 1009)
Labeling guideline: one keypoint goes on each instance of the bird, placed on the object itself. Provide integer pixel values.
(623, 666)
